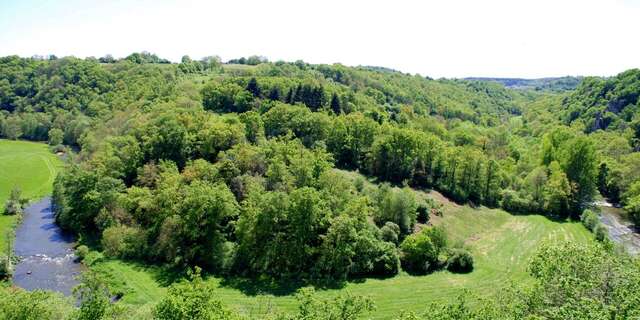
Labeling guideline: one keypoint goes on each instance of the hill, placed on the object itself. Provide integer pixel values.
(245, 174)
(557, 84)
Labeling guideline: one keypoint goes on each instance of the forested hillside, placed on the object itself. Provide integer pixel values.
(230, 167)
(551, 84)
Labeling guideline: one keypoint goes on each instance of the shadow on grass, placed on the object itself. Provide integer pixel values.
(253, 286)
(259, 286)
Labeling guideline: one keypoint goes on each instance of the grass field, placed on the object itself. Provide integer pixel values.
(28, 165)
(501, 244)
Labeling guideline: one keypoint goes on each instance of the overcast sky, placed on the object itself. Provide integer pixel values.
(532, 38)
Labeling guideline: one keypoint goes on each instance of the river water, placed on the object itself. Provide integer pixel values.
(45, 251)
(621, 230)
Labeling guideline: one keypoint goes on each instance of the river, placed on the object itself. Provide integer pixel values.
(621, 230)
(45, 252)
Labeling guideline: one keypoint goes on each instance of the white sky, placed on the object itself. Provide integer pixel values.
(532, 38)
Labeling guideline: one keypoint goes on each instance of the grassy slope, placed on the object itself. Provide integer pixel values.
(501, 244)
(29, 165)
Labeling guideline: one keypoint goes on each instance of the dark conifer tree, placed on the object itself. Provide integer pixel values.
(274, 94)
(290, 96)
(299, 96)
(253, 87)
(335, 104)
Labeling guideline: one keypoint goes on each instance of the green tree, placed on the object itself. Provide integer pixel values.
(580, 167)
(557, 191)
(93, 296)
(420, 251)
(192, 300)
(55, 136)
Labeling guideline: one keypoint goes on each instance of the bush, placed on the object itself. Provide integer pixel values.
(512, 202)
(13, 206)
(398, 206)
(192, 300)
(460, 260)
(600, 232)
(419, 253)
(5, 267)
(390, 232)
(387, 262)
(589, 219)
(82, 252)
(423, 212)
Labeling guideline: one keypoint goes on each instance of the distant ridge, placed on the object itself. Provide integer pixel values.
(551, 83)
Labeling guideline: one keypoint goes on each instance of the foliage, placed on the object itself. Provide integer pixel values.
(459, 260)
(421, 251)
(344, 307)
(81, 252)
(93, 297)
(13, 206)
(589, 219)
(191, 300)
(6, 269)
(18, 304)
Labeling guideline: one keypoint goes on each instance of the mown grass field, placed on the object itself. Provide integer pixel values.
(500, 242)
(30, 166)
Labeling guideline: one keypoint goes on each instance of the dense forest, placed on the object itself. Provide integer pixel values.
(231, 167)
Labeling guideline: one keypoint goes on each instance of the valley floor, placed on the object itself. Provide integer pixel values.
(500, 242)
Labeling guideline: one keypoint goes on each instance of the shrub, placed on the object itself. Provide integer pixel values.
(13, 206)
(512, 202)
(423, 212)
(5, 267)
(589, 219)
(359, 183)
(387, 262)
(82, 252)
(343, 307)
(191, 300)
(390, 232)
(600, 232)
(419, 254)
(460, 260)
